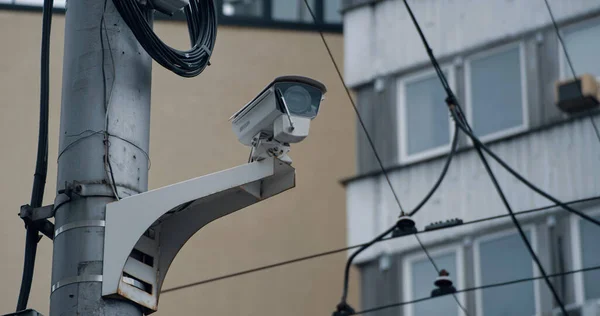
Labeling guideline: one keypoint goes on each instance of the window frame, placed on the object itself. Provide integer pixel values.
(459, 278)
(578, 253)
(266, 20)
(524, 100)
(562, 63)
(531, 228)
(401, 83)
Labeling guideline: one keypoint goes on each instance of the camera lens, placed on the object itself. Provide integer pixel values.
(298, 99)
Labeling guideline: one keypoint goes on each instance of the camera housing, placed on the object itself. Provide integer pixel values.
(279, 115)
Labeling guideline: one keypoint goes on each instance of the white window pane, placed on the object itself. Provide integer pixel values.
(583, 46)
(332, 11)
(426, 120)
(496, 92)
(292, 10)
(423, 276)
(494, 257)
(36, 3)
(590, 234)
(252, 8)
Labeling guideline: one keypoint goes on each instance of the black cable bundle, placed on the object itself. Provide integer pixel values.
(202, 24)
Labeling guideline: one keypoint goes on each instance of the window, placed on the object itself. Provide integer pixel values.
(493, 254)
(419, 275)
(582, 42)
(425, 128)
(332, 11)
(276, 14)
(285, 14)
(293, 10)
(585, 236)
(59, 4)
(253, 8)
(496, 92)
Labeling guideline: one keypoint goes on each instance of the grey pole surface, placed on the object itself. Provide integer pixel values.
(79, 240)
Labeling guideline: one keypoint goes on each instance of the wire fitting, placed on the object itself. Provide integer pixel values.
(404, 226)
(443, 284)
(451, 101)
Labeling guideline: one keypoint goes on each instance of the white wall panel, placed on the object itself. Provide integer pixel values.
(386, 41)
(563, 160)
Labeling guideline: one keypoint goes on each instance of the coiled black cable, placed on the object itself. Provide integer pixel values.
(202, 25)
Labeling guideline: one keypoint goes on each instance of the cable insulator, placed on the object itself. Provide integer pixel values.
(404, 226)
(443, 284)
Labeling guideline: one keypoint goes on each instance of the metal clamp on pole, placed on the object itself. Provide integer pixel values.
(39, 218)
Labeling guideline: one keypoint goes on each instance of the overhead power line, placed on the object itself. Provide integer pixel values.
(568, 58)
(335, 251)
(463, 124)
(483, 287)
(343, 306)
(358, 116)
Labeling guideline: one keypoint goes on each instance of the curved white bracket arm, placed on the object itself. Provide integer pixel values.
(145, 232)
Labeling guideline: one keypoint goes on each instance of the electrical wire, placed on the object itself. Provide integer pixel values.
(442, 174)
(564, 48)
(107, 164)
(534, 188)
(358, 116)
(437, 270)
(414, 211)
(145, 153)
(75, 142)
(335, 251)
(202, 26)
(463, 124)
(41, 166)
(516, 223)
(343, 305)
(483, 287)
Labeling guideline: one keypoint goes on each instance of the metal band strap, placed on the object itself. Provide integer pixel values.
(76, 279)
(79, 224)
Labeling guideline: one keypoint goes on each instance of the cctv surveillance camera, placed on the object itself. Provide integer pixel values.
(278, 116)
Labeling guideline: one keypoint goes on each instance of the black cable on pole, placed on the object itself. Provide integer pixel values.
(463, 124)
(483, 287)
(358, 116)
(202, 26)
(41, 165)
(564, 48)
(335, 251)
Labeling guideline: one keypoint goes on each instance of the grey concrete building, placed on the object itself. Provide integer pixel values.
(502, 58)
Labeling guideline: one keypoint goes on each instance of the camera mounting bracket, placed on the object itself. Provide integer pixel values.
(145, 232)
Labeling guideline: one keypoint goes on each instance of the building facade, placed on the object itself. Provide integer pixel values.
(502, 59)
(190, 137)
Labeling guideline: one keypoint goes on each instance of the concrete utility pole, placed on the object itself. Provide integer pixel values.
(79, 235)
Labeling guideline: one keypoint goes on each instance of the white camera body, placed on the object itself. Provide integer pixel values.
(279, 115)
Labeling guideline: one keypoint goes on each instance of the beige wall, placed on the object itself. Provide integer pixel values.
(190, 137)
